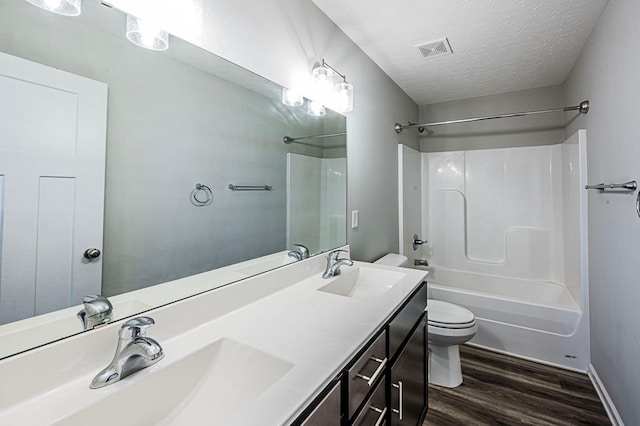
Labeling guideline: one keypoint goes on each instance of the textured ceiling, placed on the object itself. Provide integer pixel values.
(498, 45)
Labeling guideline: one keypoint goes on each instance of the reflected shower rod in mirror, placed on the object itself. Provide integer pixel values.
(583, 108)
(289, 139)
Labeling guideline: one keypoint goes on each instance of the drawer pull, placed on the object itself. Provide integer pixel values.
(382, 412)
(400, 395)
(379, 370)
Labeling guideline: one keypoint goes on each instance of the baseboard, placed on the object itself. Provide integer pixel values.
(607, 402)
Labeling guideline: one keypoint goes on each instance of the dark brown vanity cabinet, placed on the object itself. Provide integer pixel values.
(386, 383)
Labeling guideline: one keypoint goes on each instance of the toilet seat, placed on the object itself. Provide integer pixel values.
(447, 315)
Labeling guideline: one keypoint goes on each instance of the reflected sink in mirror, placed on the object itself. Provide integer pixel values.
(265, 263)
(362, 282)
(23, 335)
(216, 382)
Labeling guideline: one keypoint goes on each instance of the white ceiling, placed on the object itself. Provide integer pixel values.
(498, 45)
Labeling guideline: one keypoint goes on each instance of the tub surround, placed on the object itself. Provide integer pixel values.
(507, 231)
(304, 336)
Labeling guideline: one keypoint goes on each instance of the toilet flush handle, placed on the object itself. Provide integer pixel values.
(417, 242)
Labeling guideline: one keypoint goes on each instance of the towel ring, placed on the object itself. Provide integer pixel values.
(201, 196)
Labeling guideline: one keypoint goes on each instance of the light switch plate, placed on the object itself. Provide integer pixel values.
(354, 219)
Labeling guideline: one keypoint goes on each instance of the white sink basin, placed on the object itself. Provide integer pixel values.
(362, 282)
(209, 386)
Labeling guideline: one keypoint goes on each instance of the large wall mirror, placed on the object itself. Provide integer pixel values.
(200, 189)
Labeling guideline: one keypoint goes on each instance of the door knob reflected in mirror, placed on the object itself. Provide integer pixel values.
(91, 253)
(417, 242)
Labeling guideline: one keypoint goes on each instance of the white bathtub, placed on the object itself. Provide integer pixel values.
(531, 319)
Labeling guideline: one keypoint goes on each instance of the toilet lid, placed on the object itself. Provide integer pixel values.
(447, 314)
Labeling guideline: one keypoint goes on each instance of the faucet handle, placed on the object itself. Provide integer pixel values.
(135, 327)
(304, 250)
(97, 311)
(334, 254)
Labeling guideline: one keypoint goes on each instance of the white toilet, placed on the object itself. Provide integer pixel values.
(449, 325)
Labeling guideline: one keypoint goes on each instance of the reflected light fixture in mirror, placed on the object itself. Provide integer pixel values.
(316, 108)
(291, 97)
(61, 7)
(145, 35)
(338, 96)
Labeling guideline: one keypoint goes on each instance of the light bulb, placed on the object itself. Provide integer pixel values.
(344, 97)
(53, 4)
(323, 86)
(145, 35)
(316, 109)
(291, 97)
(61, 7)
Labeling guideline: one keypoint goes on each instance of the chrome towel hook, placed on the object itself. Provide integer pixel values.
(201, 196)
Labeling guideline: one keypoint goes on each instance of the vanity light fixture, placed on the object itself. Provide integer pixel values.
(145, 35)
(291, 97)
(340, 95)
(61, 7)
(316, 108)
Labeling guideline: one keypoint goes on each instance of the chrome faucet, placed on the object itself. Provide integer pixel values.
(334, 263)
(97, 311)
(134, 352)
(300, 252)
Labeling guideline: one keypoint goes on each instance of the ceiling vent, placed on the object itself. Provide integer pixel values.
(435, 48)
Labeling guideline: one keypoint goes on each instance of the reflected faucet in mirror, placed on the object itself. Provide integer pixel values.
(334, 262)
(97, 311)
(299, 252)
(134, 352)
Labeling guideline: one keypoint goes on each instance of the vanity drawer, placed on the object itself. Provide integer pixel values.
(403, 322)
(365, 372)
(374, 411)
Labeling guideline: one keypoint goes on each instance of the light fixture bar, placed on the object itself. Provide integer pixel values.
(324, 64)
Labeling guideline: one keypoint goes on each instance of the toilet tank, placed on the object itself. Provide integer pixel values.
(393, 259)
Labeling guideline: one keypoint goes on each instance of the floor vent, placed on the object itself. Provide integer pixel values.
(435, 48)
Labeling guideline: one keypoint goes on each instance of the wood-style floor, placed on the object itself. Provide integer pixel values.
(503, 390)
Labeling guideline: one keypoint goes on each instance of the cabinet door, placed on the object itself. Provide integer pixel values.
(408, 381)
(403, 322)
(327, 412)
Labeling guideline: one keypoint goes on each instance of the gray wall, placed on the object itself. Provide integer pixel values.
(282, 40)
(541, 129)
(607, 74)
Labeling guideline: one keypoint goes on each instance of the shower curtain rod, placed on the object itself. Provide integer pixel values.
(583, 108)
(289, 139)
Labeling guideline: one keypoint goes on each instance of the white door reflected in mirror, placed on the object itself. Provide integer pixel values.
(52, 156)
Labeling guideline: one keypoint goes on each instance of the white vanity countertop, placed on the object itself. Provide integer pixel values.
(311, 333)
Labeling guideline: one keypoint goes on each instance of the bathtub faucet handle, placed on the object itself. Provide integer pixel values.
(417, 242)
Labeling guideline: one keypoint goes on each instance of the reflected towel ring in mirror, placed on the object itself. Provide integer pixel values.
(201, 196)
